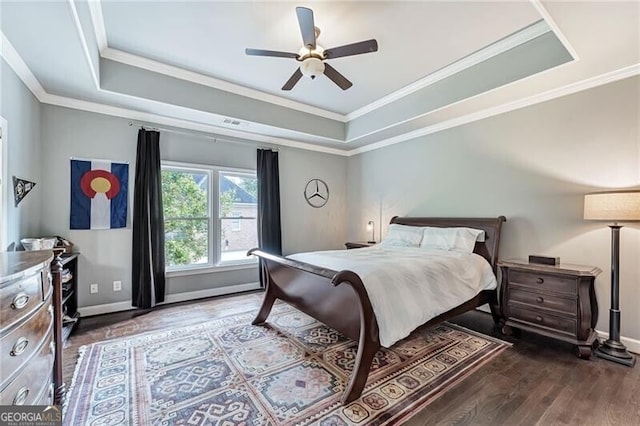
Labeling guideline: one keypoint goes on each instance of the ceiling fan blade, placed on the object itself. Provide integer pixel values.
(260, 52)
(307, 27)
(292, 80)
(359, 48)
(336, 77)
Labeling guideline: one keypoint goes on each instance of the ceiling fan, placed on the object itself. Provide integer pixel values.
(312, 56)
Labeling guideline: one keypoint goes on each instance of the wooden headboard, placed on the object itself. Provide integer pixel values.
(492, 227)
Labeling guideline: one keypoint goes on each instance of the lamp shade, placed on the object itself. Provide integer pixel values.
(612, 205)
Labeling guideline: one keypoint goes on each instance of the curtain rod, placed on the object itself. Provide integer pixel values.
(198, 133)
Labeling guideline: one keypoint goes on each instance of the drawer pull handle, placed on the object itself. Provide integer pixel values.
(539, 280)
(539, 300)
(539, 318)
(20, 301)
(19, 347)
(21, 396)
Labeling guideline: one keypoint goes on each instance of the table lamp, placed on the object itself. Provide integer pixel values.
(614, 206)
(370, 227)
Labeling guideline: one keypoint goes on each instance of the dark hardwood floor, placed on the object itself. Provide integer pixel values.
(538, 381)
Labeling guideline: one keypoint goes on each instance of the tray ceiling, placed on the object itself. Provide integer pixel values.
(439, 64)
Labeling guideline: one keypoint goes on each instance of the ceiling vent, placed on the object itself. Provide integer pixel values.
(234, 122)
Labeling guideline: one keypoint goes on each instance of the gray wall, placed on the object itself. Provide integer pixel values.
(22, 112)
(106, 254)
(533, 166)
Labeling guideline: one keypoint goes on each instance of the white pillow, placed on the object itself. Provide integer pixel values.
(403, 236)
(451, 239)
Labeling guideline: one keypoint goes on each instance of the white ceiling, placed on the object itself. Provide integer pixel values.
(85, 55)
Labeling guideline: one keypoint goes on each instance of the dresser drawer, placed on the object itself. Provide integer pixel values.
(542, 319)
(31, 383)
(567, 305)
(19, 299)
(542, 281)
(17, 347)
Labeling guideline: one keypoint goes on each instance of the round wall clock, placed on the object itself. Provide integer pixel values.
(316, 193)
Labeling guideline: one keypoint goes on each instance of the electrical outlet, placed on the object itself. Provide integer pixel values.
(117, 285)
(94, 288)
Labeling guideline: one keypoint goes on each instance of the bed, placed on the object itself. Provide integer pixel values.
(330, 295)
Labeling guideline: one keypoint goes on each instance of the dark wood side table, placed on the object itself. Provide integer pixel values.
(555, 301)
(357, 244)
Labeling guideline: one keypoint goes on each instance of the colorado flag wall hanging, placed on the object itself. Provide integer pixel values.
(98, 194)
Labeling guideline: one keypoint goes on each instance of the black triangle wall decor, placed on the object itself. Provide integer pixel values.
(21, 188)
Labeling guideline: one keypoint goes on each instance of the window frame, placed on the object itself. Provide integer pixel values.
(214, 262)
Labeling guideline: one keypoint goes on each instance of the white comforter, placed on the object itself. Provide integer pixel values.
(408, 286)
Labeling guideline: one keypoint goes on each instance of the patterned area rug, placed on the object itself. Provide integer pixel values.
(291, 371)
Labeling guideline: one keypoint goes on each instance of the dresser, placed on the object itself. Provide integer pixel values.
(26, 328)
(555, 301)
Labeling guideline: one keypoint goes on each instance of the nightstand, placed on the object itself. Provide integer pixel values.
(555, 301)
(357, 244)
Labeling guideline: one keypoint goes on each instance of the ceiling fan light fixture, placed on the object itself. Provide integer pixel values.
(312, 67)
(311, 56)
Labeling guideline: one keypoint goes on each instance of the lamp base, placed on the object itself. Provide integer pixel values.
(612, 350)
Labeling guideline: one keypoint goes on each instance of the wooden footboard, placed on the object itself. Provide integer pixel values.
(335, 298)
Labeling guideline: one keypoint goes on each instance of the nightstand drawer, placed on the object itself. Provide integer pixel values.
(542, 319)
(543, 281)
(568, 305)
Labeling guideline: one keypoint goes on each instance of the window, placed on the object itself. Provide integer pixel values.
(238, 214)
(209, 215)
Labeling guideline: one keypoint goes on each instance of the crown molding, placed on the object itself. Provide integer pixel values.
(610, 77)
(21, 69)
(83, 42)
(537, 4)
(458, 102)
(97, 19)
(14, 60)
(533, 31)
(182, 124)
(205, 80)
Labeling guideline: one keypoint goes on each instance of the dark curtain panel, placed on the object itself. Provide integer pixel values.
(147, 277)
(269, 230)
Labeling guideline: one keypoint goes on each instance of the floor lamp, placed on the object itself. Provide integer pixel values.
(614, 206)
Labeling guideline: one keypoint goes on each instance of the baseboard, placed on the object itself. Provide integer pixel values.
(108, 308)
(632, 345)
